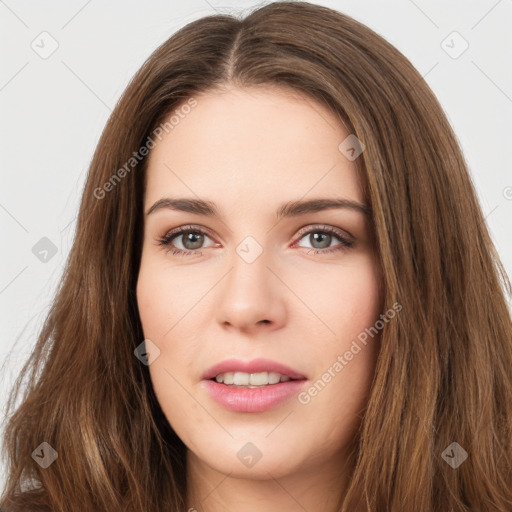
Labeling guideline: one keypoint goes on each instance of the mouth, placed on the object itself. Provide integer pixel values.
(258, 372)
(253, 386)
(251, 380)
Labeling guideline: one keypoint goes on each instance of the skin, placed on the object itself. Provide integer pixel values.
(250, 151)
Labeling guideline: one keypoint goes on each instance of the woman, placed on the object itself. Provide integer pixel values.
(199, 356)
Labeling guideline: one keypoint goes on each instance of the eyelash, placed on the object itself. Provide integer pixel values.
(170, 236)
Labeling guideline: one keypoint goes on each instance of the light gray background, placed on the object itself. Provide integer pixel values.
(53, 111)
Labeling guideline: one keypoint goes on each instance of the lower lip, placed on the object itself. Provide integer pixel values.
(241, 399)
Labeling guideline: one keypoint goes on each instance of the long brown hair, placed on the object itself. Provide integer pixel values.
(444, 372)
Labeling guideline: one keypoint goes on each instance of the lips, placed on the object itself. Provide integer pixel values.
(242, 399)
(254, 366)
(253, 399)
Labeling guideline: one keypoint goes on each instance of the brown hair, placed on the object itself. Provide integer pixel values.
(444, 368)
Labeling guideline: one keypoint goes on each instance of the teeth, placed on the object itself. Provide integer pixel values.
(259, 379)
(274, 378)
(251, 379)
(241, 379)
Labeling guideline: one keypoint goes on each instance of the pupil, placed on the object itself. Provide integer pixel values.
(196, 240)
(323, 245)
(189, 239)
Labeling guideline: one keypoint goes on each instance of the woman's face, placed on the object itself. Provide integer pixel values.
(276, 296)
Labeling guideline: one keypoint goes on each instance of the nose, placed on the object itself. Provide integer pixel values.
(251, 296)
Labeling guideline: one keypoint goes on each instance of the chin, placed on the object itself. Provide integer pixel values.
(245, 459)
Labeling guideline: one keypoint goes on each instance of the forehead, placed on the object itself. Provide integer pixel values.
(249, 145)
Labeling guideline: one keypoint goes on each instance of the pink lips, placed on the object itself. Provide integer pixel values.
(254, 366)
(242, 399)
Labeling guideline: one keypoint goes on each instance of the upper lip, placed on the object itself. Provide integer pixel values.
(253, 366)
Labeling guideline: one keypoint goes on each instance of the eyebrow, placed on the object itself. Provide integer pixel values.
(290, 209)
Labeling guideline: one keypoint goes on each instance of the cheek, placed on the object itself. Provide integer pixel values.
(156, 299)
(163, 305)
(158, 303)
(360, 308)
(351, 299)
(345, 361)
(366, 289)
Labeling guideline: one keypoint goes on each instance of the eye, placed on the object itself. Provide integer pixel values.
(321, 237)
(192, 240)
